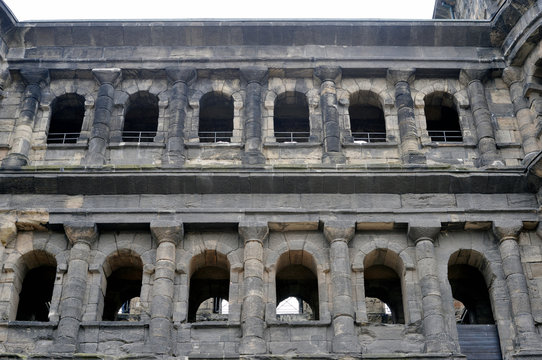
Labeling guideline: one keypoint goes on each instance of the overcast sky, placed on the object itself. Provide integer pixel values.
(220, 9)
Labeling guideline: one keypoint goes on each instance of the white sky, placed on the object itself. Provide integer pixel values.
(219, 9)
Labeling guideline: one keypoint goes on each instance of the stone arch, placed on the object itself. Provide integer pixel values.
(66, 120)
(291, 118)
(141, 114)
(442, 117)
(366, 117)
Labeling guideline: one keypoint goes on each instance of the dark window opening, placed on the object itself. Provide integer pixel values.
(36, 293)
(442, 118)
(209, 292)
(215, 118)
(367, 121)
(383, 284)
(67, 113)
(291, 118)
(141, 118)
(122, 296)
(469, 289)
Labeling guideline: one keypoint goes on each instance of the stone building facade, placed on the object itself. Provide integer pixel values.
(382, 175)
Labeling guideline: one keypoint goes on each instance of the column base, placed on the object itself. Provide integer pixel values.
(14, 161)
(414, 158)
(346, 345)
(333, 158)
(93, 159)
(253, 158)
(252, 345)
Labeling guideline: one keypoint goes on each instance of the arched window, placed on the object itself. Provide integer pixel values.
(297, 287)
(124, 273)
(140, 118)
(367, 121)
(442, 118)
(215, 118)
(37, 286)
(67, 113)
(209, 287)
(291, 117)
(383, 287)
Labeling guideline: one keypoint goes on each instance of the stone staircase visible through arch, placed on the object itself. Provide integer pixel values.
(479, 342)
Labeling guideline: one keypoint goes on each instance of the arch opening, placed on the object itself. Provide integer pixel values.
(383, 295)
(291, 118)
(442, 118)
(67, 114)
(367, 121)
(215, 118)
(141, 118)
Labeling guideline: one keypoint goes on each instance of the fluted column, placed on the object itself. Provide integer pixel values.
(513, 77)
(339, 233)
(437, 339)
(99, 135)
(180, 80)
(253, 235)
(81, 236)
(255, 77)
(410, 143)
(507, 233)
(167, 235)
(482, 117)
(35, 79)
(329, 76)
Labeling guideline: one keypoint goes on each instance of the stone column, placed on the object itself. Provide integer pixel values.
(99, 136)
(81, 236)
(167, 235)
(410, 142)
(339, 233)
(437, 339)
(35, 79)
(513, 77)
(253, 310)
(180, 80)
(255, 77)
(482, 117)
(329, 76)
(507, 233)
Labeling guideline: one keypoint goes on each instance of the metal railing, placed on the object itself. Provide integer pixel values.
(215, 136)
(292, 136)
(62, 138)
(138, 136)
(369, 137)
(446, 136)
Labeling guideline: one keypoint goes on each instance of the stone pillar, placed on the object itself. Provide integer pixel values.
(482, 117)
(35, 79)
(167, 235)
(507, 233)
(339, 233)
(180, 80)
(253, 310)
(513, 77)
(329, 76)
(410, 143)
(99, 136)
(255, 77)
(81, 236)
(437, 339)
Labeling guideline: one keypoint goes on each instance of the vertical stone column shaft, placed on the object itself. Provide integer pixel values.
(35, 80)
(180, 80)
(339, 233)
(81, 235)
(167, 235)
(513, 77)
(482, 117)
(99, 136)
(253, 310)
(508, 234)
(330, 114)
(255, 78)
(434, 327)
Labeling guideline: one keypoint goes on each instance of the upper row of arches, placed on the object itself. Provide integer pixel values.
(291, 121)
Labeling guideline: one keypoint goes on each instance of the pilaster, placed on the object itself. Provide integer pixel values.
(255, 77)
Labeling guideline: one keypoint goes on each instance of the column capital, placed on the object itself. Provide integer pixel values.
(328, 73)
(507, 230)
(167, 231)
(186, 75)
(466, 76)
(107, 76)
(35, 76)
(251, 74)
(85, 232)
(337, 230)
(253, 230)
(395, 76)
(424, 231)
(512, 74)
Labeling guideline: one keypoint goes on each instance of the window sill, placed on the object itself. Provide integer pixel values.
(292, 145)
(213, 145)
(311, 323)
(386, 144)
(25, 324)
(449, 144)
(116, 323)
(66, 146)
(211, 324)
(136, 145)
